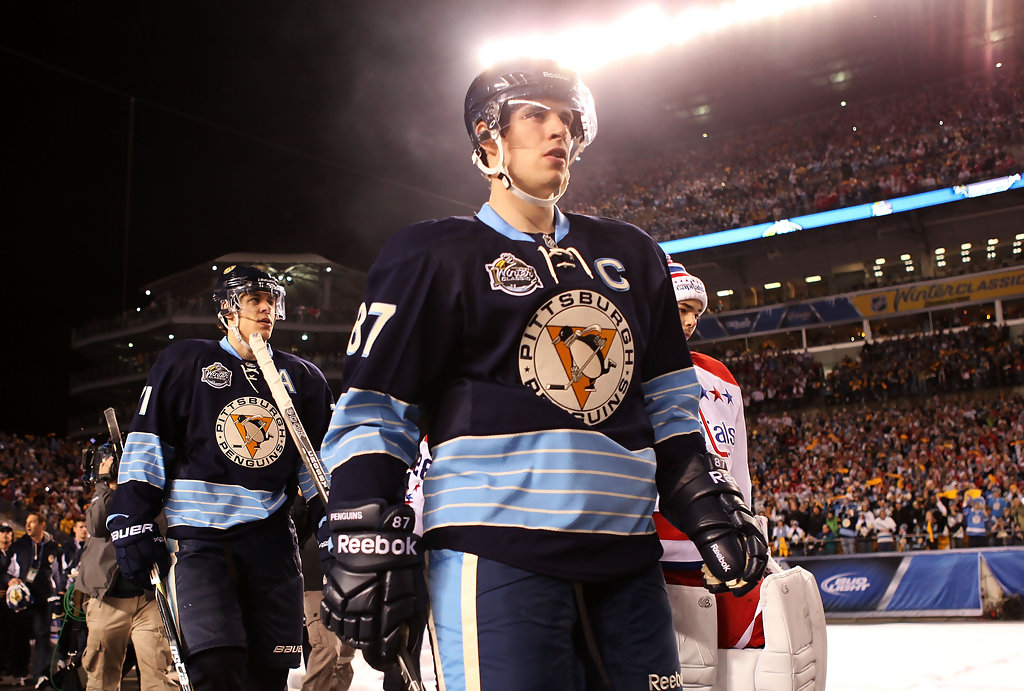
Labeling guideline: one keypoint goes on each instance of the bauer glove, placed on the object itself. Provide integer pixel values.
(136, 548)
(370, 585)
(703, 501)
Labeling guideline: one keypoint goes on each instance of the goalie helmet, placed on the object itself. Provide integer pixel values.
(494, 90)
(236, 281)
(18, 597)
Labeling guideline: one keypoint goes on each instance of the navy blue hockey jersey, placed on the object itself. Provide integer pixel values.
(551, 375)
(209, 445)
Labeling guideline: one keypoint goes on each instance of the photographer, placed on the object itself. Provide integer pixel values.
(117, 610)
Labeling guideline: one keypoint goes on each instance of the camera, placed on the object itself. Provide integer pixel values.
(93, 457)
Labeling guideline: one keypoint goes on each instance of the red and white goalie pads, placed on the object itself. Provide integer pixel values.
(794, 655)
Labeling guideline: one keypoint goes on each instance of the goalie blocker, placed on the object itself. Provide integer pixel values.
(702, 500)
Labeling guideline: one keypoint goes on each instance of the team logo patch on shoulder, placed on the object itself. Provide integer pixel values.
(577, 351)
(510, 274)
(250, 432)
(217, 375)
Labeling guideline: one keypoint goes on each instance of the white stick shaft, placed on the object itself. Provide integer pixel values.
(291, 417)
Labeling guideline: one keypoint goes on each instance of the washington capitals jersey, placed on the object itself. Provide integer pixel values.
(208, 444)
(725, 433)
(548, 374)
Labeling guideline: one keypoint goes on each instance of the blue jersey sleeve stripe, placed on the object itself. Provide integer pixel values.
(370, 422)
(562, 480)
(209, 505)
(144, 460)
(672, 402)
(306, 484)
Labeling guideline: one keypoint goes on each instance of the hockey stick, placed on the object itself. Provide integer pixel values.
(314, 465)
(170, 629)
(115, 432)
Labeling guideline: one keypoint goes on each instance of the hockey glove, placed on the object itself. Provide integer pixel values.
(703, 501)
(370, 588)
(136, 548)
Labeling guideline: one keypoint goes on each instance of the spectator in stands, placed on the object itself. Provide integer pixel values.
(1015, 516)
(976, 523)
(885, 531)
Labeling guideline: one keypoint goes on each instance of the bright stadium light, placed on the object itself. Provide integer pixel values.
(644, 30)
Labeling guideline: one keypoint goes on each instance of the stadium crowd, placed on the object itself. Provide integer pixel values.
(948, 361)
(950, 134)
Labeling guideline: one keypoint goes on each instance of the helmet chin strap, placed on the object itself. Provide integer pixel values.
(222, 316)
(501, 171)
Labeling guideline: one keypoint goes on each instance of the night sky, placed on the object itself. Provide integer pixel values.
(312, 126)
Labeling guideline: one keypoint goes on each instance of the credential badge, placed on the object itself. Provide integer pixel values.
(577, 351)
(511, 275)
(217, 375)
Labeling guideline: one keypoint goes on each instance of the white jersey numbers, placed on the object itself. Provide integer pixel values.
(144, 403)
(383, 311)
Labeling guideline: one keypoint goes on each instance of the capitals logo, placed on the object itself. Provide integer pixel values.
(577, 351)
(250, 432)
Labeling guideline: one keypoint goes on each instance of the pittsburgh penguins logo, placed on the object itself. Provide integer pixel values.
(577, 351)
(250, 432)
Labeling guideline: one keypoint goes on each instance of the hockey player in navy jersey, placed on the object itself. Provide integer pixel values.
(540, 351)
(208, 446)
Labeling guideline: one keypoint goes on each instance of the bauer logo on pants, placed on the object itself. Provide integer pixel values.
(250, 432)
(577, 351)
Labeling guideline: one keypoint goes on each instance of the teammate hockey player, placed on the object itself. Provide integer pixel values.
(540, 352)
(708, 626)
(208, 445)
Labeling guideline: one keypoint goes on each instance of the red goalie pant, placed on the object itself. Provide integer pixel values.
(739, 620)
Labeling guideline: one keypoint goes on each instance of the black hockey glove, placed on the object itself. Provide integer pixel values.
(370, 585)
(136, 548)
(703, 501)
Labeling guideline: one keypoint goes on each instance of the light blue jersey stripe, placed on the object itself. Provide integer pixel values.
(563, 480)
(144, 459)
(672, 402)
(453, 617)
(210, 505)
(370, 422)
(306, 484)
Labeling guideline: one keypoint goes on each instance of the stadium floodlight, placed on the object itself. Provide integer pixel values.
(644, 30)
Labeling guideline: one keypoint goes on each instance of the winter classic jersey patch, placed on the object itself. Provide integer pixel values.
(577, 351)
(217, 375)
(250, 432)
(511, 275)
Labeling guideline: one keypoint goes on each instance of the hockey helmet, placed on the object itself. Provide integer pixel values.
(236, 281)
(19, 597)
(501, 85)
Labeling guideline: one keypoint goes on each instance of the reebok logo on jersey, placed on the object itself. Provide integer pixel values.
(657, 682)
(721, 558)
(131, 531)
(376, 544)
